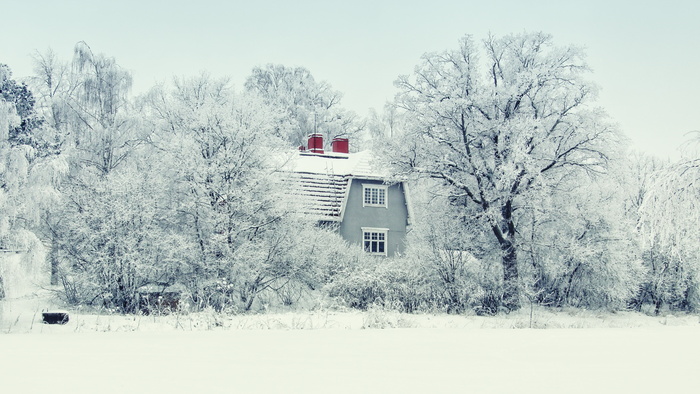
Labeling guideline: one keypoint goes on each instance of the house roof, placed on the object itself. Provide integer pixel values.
(321, 181)
(358, 165)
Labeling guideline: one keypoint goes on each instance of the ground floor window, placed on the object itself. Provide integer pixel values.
(374, 240)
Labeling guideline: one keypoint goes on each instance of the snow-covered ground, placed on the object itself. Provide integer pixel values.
(349, 352)
(417, 360)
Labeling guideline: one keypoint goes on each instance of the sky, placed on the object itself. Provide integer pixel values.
(645, 55)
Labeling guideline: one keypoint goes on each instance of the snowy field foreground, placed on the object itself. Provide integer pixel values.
(439, 360)
(348, 352)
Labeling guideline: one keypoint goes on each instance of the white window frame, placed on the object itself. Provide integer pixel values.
(379, 232)
(384, 188)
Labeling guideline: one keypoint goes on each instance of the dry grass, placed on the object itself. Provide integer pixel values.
(28, 320)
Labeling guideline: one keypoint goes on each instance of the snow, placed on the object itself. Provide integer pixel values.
(23, 273)
(355, 164)
(329, 352)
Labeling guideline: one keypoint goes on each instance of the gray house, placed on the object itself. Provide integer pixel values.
(343, 189)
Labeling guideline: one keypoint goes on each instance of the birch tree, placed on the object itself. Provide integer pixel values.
(51, 84)
(497, 121)
(102, 130)
(102, 227)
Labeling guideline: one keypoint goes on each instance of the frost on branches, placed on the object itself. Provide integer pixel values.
(308, 106)
(669, 224)
(28, 174)
(499, 121)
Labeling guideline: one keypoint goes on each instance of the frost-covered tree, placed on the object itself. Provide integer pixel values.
(222, 154)
(578, 246)
(454, 252)
(113, 238)
(102, 130)
(28, 131)
(88, 106)
(28, 176)
(51, 84)
(385, 125)
(669, 219)
(309, 106)
(497, 121)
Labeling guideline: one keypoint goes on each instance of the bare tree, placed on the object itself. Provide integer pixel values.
(98, 102)
(310, 106)
(496, 128)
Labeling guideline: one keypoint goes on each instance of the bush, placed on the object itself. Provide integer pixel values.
(387, 283)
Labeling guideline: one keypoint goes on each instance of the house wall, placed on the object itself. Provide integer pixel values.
(394, 216)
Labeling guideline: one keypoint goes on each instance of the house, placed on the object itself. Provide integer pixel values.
(343, 189)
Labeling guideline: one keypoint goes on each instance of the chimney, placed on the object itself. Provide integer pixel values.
(316, 143)
(340, 145)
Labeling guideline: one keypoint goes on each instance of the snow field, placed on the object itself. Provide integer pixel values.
(646, 360)
(349, 352)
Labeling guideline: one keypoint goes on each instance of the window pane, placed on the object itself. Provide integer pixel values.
(374, 241)
(374, 196)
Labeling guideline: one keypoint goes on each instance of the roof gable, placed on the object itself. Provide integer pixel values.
(321, 182)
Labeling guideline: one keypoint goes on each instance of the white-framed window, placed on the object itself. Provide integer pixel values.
(374, 195)
(374, 240)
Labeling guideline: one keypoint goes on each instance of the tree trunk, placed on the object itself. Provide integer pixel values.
(505, 233)
(511, 288)
(53, 257)
(657, 305)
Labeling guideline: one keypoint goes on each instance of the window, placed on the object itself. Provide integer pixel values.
(374, 195)
(374, 240)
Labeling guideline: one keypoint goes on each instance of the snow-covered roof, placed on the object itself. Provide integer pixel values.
(322, 181)
(358, 165)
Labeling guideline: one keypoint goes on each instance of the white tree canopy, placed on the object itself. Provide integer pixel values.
(499, 120)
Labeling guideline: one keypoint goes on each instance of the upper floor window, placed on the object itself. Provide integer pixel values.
(374, 195)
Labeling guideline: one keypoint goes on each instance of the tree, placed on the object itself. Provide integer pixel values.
(113, 237)
(28, 177)
(309, 106)
(28, 131)
(453, 253)
(668, 225)
(496, 129)
(220, 150)
(100, 125)
(384, 125)
(578, 246)
(106, 234)
(51, 83)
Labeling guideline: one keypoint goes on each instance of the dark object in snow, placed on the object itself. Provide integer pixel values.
(159, 299)
(55, 317)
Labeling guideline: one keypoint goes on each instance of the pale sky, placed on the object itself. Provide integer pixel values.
(645, 54)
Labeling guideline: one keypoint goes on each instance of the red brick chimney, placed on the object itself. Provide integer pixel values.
(316, 143)
(340, 145)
